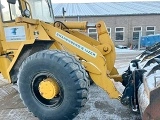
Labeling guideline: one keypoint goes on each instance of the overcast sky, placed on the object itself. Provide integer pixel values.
(88, 1)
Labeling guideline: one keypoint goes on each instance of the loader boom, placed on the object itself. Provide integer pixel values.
(99, 60)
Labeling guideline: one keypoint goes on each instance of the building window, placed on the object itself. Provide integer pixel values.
(150, 30)
(92, 32)
(137, 32)
(119, 33)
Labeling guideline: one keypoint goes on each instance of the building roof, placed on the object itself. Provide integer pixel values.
(107, 8)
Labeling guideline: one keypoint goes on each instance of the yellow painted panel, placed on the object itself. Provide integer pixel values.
(4, 66)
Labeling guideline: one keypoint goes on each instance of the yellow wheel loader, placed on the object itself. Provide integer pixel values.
(52, 63)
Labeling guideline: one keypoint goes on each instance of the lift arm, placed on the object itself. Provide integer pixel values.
(99, 60)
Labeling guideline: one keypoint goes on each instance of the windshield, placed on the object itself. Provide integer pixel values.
(41, 9)
(9, 11)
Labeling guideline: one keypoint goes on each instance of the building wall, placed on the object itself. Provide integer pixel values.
(128, 22)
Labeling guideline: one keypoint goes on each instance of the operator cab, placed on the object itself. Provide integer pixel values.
(37, 9)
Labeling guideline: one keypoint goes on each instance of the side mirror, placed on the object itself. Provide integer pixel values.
(11, 1)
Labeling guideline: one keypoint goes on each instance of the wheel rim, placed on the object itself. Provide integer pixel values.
(47, 90)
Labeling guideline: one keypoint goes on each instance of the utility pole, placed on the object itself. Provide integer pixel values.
(63, 12)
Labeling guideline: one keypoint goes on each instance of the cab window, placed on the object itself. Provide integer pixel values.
(9, 11)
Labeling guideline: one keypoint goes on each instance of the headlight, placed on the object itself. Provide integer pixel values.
(26, 13)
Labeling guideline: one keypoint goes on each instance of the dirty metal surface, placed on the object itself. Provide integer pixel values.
(152, 111)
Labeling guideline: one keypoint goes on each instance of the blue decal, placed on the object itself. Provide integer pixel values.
(14, 31)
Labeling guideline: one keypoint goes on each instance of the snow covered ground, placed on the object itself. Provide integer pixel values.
(121, 51)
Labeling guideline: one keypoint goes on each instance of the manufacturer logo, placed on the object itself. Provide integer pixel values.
(14, 31)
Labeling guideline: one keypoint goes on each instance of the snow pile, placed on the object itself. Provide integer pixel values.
(126, 50)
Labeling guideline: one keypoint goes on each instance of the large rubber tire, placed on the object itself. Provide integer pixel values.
(70, 76)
